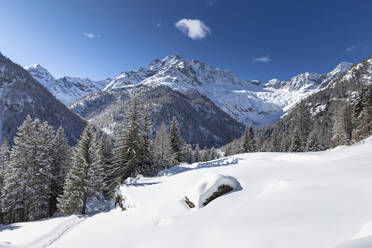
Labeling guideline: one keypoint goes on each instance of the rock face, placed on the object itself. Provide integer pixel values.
(21, 95)
(221, 190)
(210, 187)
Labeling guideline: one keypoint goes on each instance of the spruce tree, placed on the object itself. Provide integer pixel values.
(175, 141)
(162, 148)
(296, 145)
(205, 155)
(110, 181)
(302, 123)
(146, 161)
(27, 184)
(61, 162)
(339, 135)
(213, 154)
(43, 168)
(128, 153)
(229, 150)
(81, 180)
(252, 140)
(4, 162)
(187, 153)
(245, 141)
(275, 147)
(362, 114)
(196, 154)
(312, 144)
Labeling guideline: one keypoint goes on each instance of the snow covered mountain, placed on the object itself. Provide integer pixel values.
(200, 120)
(66, 89)
(249, 102)
(287, 94)
(235, 96)
(286, 200)
(21, 94)
(339, 113)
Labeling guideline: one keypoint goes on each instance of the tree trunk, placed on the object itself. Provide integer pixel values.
(84, 207)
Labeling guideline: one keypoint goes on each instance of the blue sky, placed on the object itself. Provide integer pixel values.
(255, 39)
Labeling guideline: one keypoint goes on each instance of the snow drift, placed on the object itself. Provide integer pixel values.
(287, 200)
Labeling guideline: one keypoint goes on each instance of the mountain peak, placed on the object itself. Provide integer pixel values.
(341, 67)
(36, 67)
(173, 57)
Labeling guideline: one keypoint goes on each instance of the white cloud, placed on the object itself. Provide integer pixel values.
(356, 48)
(351, 48)
(211, 3)
(158, 24)
(91, 35)
(195, 29)
(262, 59)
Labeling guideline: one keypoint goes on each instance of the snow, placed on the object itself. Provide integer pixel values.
(287, 200)
(66, 89)
(316, 110)
(247, 101)
(207, 185)
(36, 234)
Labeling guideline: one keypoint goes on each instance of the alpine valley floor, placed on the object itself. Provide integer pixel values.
(286, 200)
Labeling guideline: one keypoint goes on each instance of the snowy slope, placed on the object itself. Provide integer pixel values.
(66, 89)
(249, 102)
(286, 200)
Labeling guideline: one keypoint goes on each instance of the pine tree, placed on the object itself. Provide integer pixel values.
(339, 135)
(302, 123)
(362, 114)
(252, 140)
(204, 155)
(61, 162)
(162, 148)
(27, 185)
(43, 168)
(245, 141)
(81, 181)
(146, 164)
(296, 142)
(275, 147)
(4, 162)
(228, 150)
(175, 141)
(213, 154)
(196, 154)
(110, 181)
(128, 153)
(312, 144)
(286, 144)
(187, 153)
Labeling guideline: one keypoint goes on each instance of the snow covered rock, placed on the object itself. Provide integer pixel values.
(66, 89)
(210, 187)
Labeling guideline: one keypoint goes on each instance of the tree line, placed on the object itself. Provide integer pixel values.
(41, 174)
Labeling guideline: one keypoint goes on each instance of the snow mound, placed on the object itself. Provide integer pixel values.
(209, 184)
(365, 231)
(365, 242)
(5, 245)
